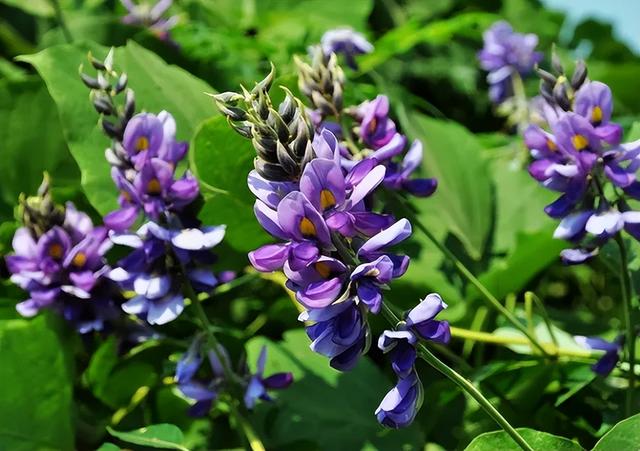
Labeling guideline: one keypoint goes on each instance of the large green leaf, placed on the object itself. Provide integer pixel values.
(158, 86)
(623, 436)
(165, 436)
(325, 409)
(222, 159)
(32, 141)
(453, 155)
(35, 387)
(42, 8)
(539, 441)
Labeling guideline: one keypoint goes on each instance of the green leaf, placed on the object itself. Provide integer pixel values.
(36, 387)
(43, 8)
(322, 399)
(165, 436)
(453, 155)
(221, 161)
(158, 86)
(402, 39)
(120, 387)
(32, 141)
(532, 253)
(623, 436)
(102, 362)
(108, 447)
(539, 441)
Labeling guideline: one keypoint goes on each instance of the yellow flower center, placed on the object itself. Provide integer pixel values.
(373, 125)
(323, 269)
(596, 115)
(327, 199)
(307, 228)
(126, 196)
(80, 259)
(373, 272)
(579, 142)
(153, 187)
(551, 145)
(142, 143)
(55, 251)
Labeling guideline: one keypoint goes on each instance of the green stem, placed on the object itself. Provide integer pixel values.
(61, 21)
(630, 331)
(254, 441)
(462, 269)
(463, 383)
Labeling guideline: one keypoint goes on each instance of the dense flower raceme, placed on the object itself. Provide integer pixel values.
(62, 267)
(506, 53)
(400, 406)
(315, 192)
(150, 16)
(581, 157)
(203, 384)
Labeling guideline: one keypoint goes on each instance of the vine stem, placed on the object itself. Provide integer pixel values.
(252, 438)
(60, 18)
(461, 382)
(630, 332)
(464, 271)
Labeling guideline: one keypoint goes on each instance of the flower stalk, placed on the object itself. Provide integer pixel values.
(628, 322)
(463, 383)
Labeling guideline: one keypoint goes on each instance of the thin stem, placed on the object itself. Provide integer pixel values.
(61, 21)
(463, 383)
(462, 269)
(485, 337)
(630, 331)
(254, 441)
(545, 315)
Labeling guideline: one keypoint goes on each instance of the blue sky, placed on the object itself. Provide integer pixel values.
(624, 14)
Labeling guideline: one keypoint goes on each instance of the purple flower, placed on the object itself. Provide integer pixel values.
(594, 102)
(318, 284)
(506, 52)
(149, 136)
(153, 190)
(201, 390)
(340, 333)
(340, 198)
(150, 16)
(612, 349)
(376, 128)
(258, 384)
(376, 246)
(64, 269)
(398, 174)
(370, 278)
(149, 269)
(400, 406)
(347, 42)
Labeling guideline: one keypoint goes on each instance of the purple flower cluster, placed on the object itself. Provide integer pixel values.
(347, 42)
(400, 406)
(581, 157)
(335, 252)
(150, 16)
(381, 143)
(172, 249)
(64, 269)
(506, 53)
(144, 166)
(203, 384)
(151, 270)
